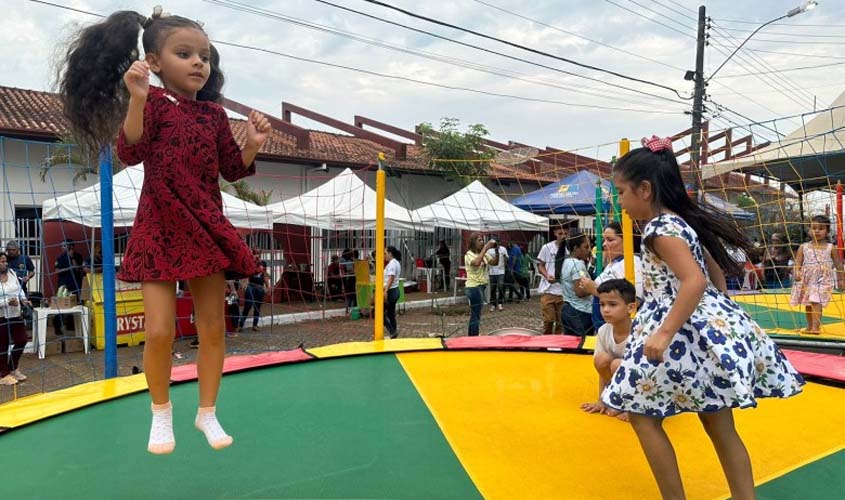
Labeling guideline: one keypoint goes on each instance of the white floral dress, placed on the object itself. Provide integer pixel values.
(719, 359)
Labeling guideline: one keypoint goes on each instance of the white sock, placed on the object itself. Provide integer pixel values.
(162, 440)
(206, 421)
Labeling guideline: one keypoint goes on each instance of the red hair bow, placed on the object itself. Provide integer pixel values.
(657, 144)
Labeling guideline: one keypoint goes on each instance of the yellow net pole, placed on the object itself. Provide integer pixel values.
(627, 227)
(381, 182)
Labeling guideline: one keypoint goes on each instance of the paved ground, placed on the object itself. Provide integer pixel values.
(61, 370)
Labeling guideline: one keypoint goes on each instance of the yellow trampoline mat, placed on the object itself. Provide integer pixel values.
(835, 309)
(513, 419)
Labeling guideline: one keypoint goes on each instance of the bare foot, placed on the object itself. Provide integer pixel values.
(610, 412)
(597, 407)
(810, 332)
(624, 416)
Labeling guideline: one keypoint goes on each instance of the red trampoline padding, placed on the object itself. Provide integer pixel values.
(232, 364)
(817, 365)
(516, 342)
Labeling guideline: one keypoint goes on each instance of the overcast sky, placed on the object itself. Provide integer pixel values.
(31, 32)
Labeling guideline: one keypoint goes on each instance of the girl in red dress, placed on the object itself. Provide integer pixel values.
(183, 138)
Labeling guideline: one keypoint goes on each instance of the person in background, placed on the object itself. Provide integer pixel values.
(777, 263)
(577, 313)
(551, 295)
(444, 257)
(512, 278)
(334, 281)
(233, 306)
(392, 273)
(257, 287)
(69, 267)
(96, 261)
(476, 261)
(347, 273)
(614, 268)
(497, 261)
(19, 263)
(12, 329)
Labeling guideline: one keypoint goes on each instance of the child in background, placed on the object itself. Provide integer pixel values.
(813, 276)
(617, 300)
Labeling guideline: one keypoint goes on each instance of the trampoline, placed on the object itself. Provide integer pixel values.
(402, 419)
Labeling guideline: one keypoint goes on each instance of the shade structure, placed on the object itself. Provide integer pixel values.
(343, 203)
(728, 207)
(573, 195)
(811, 157)
(83, 206)
(477, 208)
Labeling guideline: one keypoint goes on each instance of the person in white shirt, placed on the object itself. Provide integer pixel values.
(12, 328)
(498, 258)
(392, 272)
(551, 295)
(618, 303)
(577, 302)
(614, 268)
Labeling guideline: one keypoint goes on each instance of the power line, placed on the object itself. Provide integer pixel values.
(805, 35)
(683, 6)
(790, 42)
(490, 51)
(650, 19)
(506, 73)
(793, 54)
(439, 85)
(785, 70)
(738, 21)
(683, 14)
(785, 81)
(660, 14)
(394, 77)
(520, 46)
(570, 33)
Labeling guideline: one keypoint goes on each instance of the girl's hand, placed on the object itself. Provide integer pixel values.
(13, 301)
(137, 80)
(656, 344)
(257, 129)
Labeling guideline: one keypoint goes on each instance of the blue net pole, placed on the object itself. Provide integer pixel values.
(107, 235)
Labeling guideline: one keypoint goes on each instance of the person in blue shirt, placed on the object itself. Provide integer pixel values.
(19, 263)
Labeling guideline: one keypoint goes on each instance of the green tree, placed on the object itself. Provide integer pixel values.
(459, 155)
(241, 189)
(745, 201)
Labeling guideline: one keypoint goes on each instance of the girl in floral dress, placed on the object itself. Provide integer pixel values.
(814, 265)
(691, 349)
(182, 135)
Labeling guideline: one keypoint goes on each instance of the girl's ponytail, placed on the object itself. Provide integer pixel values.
(91, 79)
(212, 89)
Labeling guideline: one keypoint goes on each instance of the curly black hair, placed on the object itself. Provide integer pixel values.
(91, 76)
(715, 228)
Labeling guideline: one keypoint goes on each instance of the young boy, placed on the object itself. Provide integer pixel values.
(617, 299)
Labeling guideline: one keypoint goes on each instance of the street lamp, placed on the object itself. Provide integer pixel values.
(794, 12)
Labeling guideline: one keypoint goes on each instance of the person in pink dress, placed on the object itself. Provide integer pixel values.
(813, 277)
(182, 135)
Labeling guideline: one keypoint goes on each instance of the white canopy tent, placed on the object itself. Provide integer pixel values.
(811, 157)
(476, 208)
(343, 203)
(83, 206)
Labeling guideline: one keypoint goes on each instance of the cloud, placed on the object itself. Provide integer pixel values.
(30, 33)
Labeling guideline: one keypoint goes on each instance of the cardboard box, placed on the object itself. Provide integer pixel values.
(73, 344)
(53, 347)
(63, 302)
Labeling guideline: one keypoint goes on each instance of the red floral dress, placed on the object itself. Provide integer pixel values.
(180, 231)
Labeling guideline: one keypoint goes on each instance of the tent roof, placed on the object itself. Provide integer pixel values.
(811, 157)
(575, 194)
(83, 206)
(345, 202)
(476, 208)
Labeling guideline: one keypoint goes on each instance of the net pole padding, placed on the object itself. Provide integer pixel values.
(599, 229)
(381, 182)
(839, 238)
(107, 236)
(627, 227)
(614, 196)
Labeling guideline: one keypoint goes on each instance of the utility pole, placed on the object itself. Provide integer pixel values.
(698, 104)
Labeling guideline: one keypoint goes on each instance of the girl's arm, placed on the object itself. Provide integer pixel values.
(717, 276)
(137, 80)
(482, 255)
(675, 252)
(799, 261)
(236, 163)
